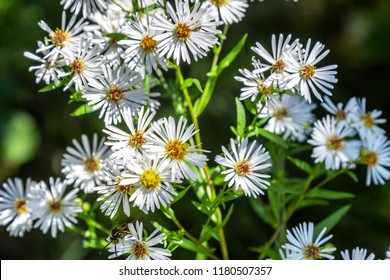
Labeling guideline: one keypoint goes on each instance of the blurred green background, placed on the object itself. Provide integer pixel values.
(35, 128)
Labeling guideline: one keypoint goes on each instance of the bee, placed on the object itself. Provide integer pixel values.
(117, 234)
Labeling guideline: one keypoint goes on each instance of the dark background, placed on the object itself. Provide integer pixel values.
(35, 128)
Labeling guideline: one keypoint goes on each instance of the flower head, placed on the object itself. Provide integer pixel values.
(118, 88)
(115, 191)
(331, 144)
(52, 207)
(172, 141)
(375, 153)
(302, 245)
(14, 211)
(82, 164)
(357, 254)
(229, 11)
(153, 178)
(140, 247)
(246, 167)
(305, 76)
(127, 144)
(186, 30)
(88, 7)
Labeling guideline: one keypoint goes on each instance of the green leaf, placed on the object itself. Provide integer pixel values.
(82, 110)
(116, 36)
(241, 118)
(272, 137)
(202, 208)
(229, 58)
(328, 194)
(180, 194)
(250, 106)
(332, 220)
(353, 176)
(277, 187)
(313, 202)
(51, 87)
(303, 165)
(263, 211)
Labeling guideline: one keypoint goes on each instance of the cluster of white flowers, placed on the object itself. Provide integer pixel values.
(281, 85)
(36, 204)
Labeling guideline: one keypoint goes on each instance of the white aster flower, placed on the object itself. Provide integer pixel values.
(13, 209)
(140, 247)
(109, 23)
(344, 114)
(276, 62)
(82, 164)
(126, 145)
(88, 7)
(246, 167)
(331, 145)
(115, 191)
(50, 68)
(229, 11)
(118, 88)
(172, 141)
(153, 178)
(304, 74)
(357, 254)
(186, 31)
(388, 254)
(254, 82)
(302, 246)
(366, 122)
(52, 208)
(375, 153)
(65, 38)
(84, 64)
(289, 116)
(142, 47)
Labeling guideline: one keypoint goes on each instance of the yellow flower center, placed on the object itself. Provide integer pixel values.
(114, 93)
(137, 139)
(59, 37)
(307, 71)
(148, 43)
(20, 206)
(279, 66)
(91, 164)
(368, 120)
(335, 143)
(77, 66)
(140, 251)
(261, 87)
(150, 179)
(182, 31)
(370, 158)
(312, 252)
(176, 149)
(218, 3)
(242, 168)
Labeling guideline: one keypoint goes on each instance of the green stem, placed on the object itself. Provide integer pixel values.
(212, 80)
(201, 247)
